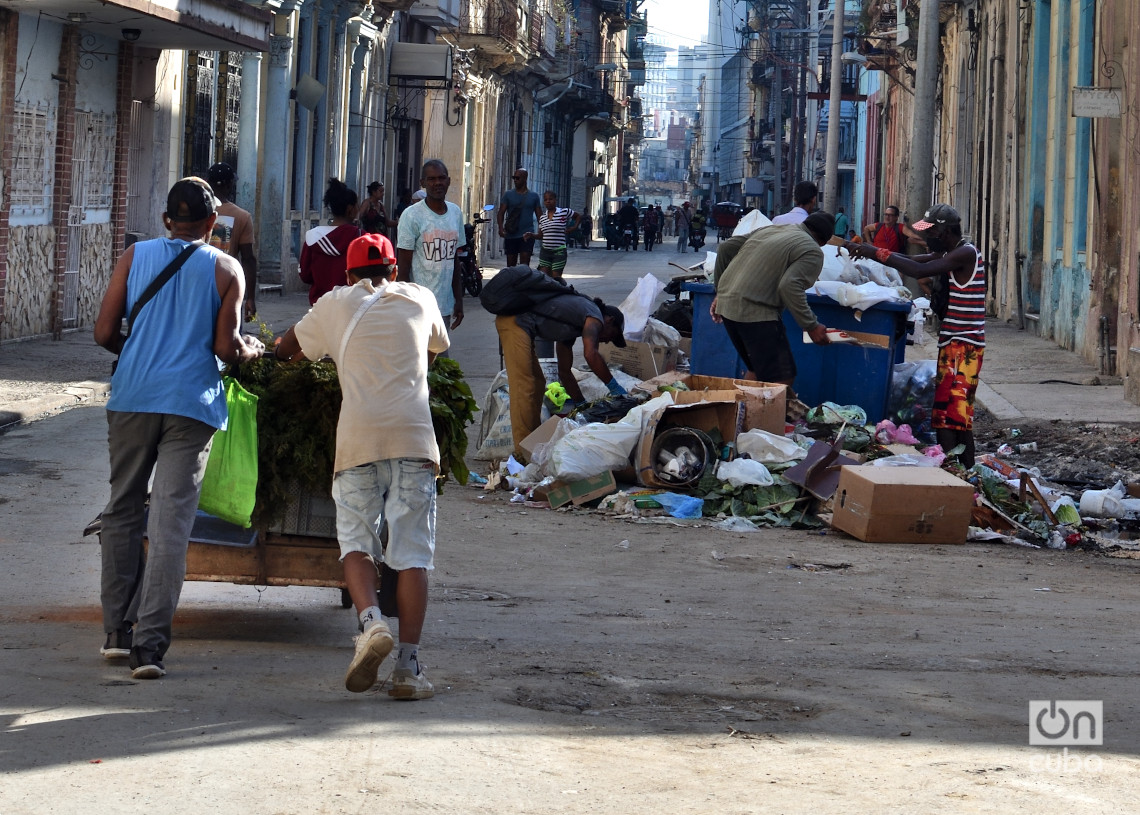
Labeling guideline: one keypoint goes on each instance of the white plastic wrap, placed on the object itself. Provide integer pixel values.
(768, 448)
(742, 471)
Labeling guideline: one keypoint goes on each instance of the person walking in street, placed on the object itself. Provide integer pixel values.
(321, 264)
(682, 221)
(806, 197)
(561, 319)
(373, 216)
(167, 401)
(650, 224)
(842, 225)
(382, 335)
(518, 209)
(961, 332)
(661, 221)
(233, 231)
(756, 277)
(554, 225)
(430, 233)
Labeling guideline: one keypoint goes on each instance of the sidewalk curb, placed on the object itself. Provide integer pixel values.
(28, 410)
(997, 405)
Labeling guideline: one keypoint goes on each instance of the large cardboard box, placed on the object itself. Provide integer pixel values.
(640, 359)
(902, 505)
(765, 403)
(717, 413)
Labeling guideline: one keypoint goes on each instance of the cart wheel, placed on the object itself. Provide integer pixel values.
(345, 599)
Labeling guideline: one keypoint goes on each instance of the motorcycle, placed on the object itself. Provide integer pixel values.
(468, 255)
(627, 238)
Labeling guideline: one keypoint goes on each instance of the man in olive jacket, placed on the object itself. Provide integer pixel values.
(757, 276)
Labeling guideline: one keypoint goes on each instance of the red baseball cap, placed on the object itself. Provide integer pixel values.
(368, 251)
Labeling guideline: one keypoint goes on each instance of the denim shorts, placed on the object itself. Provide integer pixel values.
(400, 491)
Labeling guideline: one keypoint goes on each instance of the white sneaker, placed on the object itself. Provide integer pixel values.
(409, 686)
(371, 648)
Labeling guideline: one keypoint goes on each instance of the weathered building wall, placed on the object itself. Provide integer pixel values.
(31, 270)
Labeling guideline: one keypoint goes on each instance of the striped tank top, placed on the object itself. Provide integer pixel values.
(965, 319)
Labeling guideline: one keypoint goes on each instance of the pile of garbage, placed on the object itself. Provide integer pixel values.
(688, 447)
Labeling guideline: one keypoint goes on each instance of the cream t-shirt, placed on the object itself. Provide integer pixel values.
(383, 376)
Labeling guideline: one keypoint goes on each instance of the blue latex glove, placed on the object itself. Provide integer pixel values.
(615, 388)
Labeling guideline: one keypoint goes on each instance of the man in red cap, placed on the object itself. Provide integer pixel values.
(382, 335)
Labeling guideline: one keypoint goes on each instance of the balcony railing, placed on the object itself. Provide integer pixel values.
(491, 25)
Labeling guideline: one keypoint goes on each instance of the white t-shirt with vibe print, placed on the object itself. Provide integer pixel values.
(433, 240)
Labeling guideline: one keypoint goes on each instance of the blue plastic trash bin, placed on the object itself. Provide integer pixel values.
(844, 374)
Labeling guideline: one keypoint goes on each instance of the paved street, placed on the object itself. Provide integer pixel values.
(584, 664)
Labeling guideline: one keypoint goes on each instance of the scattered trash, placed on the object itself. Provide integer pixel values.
(680, 506)
(820, 567)
(1112, 503)
(735, 524)
(1030, 447)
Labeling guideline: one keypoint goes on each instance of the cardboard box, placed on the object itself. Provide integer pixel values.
(765, 403)
(902, 505)
(581, 492)
(718, 413)
(640, 359)
(539, 436)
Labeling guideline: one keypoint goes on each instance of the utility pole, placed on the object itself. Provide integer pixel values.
(831, 167)
(922, 128)
(778, 137)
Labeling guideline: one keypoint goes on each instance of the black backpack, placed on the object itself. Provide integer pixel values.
(518, 289)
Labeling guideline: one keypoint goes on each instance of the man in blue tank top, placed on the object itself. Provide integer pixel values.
(166, 402)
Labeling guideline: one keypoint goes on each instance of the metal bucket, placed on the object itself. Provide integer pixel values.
(681, 455)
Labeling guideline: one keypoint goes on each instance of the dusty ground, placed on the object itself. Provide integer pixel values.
(584, 664)
(1090, 455)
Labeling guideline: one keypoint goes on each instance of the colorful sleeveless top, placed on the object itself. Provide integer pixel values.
(965, 319)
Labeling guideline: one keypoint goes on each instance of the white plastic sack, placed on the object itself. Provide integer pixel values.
(541, 453)
(871, 271)
(592, 449)
(742, 471)
(750, 223)
(768, 448)
(495, 439)
(838, 266)
(862, 296)
(659, 333)
(638, 305)
(710, 263)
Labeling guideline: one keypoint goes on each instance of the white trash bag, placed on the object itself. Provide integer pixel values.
(592, 449)
(768, 448)
(744, 471)
(638, 305)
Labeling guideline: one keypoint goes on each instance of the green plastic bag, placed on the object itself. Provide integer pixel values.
(229, 488)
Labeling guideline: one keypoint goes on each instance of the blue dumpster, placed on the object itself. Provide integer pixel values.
(844, 374)
(713, 353)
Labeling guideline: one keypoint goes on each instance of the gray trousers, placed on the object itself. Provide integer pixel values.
(140, 589)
